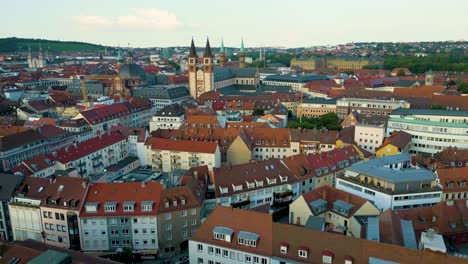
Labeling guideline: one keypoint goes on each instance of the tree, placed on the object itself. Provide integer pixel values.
(463, 87)
(401, 73)
(258, 112)
(438, 106)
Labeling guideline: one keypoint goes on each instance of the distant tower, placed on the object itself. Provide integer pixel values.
(47, 53)
(119, 60)
(242, 56)
(40, 54)
(429, 78)
(29, 57)
(201, 79)
(130, 57)
(222, 55)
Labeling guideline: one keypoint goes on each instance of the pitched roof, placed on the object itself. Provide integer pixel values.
(453, 179)
(235, 219)
(181, 145)
(121, 192)
(105, 113)
(8, 185)
(455, 102)
(72, 153)
(174, 110)
(16, 136)
(34, 164)
(399, 139)
(190, 195)
(59, 189)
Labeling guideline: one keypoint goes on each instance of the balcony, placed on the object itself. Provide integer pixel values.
(371, 185)
(240, 203)
(282, 198)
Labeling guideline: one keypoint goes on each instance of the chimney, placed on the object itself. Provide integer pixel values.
(430, 233)
(75, 145)
(83, 184)
(434, 218)
(143, 184)
(195, 174)
(324, 195)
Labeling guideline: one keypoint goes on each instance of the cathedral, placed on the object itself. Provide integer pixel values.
(204, 76)
(36, 63)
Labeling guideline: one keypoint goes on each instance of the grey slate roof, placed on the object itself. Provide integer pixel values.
(375, 168)
(248, 235)
(221, 74)
(373, 232)
(174, 110)
(409, 111)
(318, 100)
(132, 70)
(8, 185)
(315, 223)
(161, 92)
(223, 230)
(409, 237)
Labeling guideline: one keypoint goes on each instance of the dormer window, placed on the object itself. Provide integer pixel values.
(166, 204)
(271, 181)
(223, 190)
(129, 206)
(147, 206)
(283, 178)
(284, 247)
(303, 251)
(237, 187)
(223, 233)
(259, 183)
(182, 201)
(327, 257)
(91, 207)
(250, 185)
(174, 203)
(110, 207)
(247, 239)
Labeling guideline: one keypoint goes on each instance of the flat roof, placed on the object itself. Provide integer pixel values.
(436, 112)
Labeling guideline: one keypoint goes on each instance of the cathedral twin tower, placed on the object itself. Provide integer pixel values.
(201, 70)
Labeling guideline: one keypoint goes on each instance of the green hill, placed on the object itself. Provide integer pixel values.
(9, 45)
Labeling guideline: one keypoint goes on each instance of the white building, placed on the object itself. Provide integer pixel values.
(370, 107)
(432, 130)
(369, 136)
(296, 82)
(170, 117)
(391, 182)
(167, 155)
(252, 184)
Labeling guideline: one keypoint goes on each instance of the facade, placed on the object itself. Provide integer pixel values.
(118, 215)
(336, 63)
(432, 130)
(46, 210)
(296, 82)
(391, 182)
(36, 63)
(19, 143)
(369, 137)
(162, 96)
(93, 89)
(9, 184)
(398, 142)
(166, 155)
(316, 107)
(91, 156)
(204, 77)
(79, 128)
(253, 184)
(226, 237)
(170, 117)
(453, 182)
(339, 209)
(370, 107)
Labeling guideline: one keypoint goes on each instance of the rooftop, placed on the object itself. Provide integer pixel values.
(433, 112)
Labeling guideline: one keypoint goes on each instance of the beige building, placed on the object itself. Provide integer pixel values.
(453, 182)
(316, 107)
(167, 155)
(340, 210)
(369, 136)
(336, 63)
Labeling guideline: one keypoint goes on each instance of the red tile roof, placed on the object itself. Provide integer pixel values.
(399, 139)
(105, 113)
(123, 192)
(88, 147)
(453, 179)
(181, 145)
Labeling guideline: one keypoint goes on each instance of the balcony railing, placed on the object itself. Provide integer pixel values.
(371, 185)
(240, 203)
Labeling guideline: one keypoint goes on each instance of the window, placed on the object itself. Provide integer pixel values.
(167, 216)
(124, 221)
(183, 213)
(256, 259)
(193, 211)
(125, 232)
(327, 259)
(114, 232)
(168, 227)
(248, 258)
(184, 223)
(168, 236)
(184, 233)
(200, 247)
(194, 221)
(128, 208)
(218, 251)
(210, 250)
(200, 261)
(302, 253)
(225, 253)
(144, 230)
(153, 230)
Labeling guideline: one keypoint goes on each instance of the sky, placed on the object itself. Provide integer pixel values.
(286, 23)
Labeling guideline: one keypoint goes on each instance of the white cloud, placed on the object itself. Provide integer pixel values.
(137, 18)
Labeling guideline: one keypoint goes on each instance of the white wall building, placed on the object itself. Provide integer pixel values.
(369, 137)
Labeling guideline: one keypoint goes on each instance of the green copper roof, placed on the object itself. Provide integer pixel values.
(242, 46)
(222, 46)
(119, 57)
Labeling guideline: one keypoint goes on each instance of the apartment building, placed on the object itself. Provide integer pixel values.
(311, 141)
(161, 96)
(118, 215)
(340, 210)
(170, 117)
(91, 156)
(9, 184)
(19, 143)
(369, 136)
(47, 210)
(432, 130)
(226, 237)
(453, 182)
(391, 182)
(252, 184)
(296, 82)
(370, 107)
(316, 107)
(180, 213)
(320, 169)
(37, 166)
(167, 155)
(79, 128)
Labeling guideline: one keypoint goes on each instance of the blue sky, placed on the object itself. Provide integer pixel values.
(291, 23)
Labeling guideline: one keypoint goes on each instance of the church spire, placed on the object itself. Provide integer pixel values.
(207, 49)
(242, 46)
(221, 50)
(193, 51)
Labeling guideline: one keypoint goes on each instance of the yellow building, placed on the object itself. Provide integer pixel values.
(336, 63)
(341, 210)
(239, 151)
(398, 142)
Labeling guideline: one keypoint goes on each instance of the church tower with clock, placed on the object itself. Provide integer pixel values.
(201, 74)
